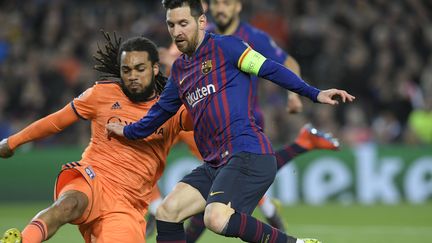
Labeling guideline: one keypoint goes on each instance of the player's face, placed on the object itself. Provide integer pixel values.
(224, 12)
(138, 75)
(184, 28)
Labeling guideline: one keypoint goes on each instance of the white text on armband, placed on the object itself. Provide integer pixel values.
(251, 61)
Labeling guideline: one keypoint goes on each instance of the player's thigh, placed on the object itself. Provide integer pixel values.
(183, 202)
(72, 182)
(116, 227)
(243, 181)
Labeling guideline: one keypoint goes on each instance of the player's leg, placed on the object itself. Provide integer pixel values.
(309, 138)
(71, 204)
(155, 202)
(121, 222)
(185, 200)
(195, 228)
(270, 208)
(234, 195)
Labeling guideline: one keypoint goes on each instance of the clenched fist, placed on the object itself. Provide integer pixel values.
(5, 151)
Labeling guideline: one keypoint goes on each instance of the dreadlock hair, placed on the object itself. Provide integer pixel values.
(108, 58)
(194, 5)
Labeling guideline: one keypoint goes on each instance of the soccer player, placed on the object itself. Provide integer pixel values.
(106, 193)
(212, 79)
(226, 15)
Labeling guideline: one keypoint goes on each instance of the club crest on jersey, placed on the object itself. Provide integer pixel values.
(206, 67)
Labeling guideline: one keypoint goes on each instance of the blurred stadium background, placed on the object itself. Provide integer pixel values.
(378, 188)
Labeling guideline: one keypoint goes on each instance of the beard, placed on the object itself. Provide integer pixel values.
(147, 94)
(191, 45)
(223, 27)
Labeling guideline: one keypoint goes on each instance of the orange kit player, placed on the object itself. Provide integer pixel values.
(107, 192)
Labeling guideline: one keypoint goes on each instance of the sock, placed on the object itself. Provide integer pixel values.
(195, 228)
(287, 153)
(170, 232)
(250, 229)
(35, 232)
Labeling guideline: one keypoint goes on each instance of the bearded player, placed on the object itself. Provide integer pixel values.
(107, 192)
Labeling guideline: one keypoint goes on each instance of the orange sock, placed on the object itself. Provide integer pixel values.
(35, 232)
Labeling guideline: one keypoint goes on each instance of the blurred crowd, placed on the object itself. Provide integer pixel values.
(378, 50)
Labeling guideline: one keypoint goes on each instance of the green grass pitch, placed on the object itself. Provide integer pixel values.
(330, 223)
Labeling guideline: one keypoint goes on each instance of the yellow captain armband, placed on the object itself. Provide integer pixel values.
(251, 61)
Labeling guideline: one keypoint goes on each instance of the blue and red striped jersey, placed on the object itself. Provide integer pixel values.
(264, 44)
(219, 97)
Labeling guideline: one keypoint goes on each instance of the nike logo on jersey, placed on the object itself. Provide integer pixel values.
(116, 106)
(193, 98)
(215, 193)
(181, 81)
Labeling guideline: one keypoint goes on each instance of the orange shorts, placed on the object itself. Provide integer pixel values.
(107, 218)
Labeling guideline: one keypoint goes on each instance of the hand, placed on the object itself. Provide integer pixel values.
(114, 129)
(5, 150)
(294, 104)
(327, 96)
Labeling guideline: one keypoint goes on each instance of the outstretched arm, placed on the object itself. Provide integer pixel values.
(44, 127)
(286, 78)
(159, 113)
(265, 45)
(254, 63)
(250, 61)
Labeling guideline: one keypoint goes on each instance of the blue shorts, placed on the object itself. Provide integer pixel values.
(243, 180)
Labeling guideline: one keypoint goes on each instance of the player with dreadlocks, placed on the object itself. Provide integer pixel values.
(106, 193)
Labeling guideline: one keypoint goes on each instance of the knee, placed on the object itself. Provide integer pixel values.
(70, 206)
(169, 211)
(216, 216)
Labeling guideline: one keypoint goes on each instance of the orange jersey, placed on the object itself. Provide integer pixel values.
(188, 138)
(129, 168)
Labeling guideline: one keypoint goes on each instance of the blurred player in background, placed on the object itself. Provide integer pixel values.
(226, 16)
(212, 79)
(107, 192)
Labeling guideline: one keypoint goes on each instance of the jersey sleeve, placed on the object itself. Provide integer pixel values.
(44, 127)
(180, 121)
(242, 55)
(167, 106)
(85, 104)
(233, 47)
(169, 99)
(265, 45)
(250, 61)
